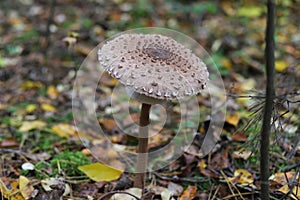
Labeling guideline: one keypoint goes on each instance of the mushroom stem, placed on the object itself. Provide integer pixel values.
(142, 160)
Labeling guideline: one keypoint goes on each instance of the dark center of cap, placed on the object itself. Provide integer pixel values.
(158, 53)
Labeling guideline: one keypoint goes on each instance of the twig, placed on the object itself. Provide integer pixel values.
(49, 21)
(270, 94)
(290, 167)
(229, 185)
(236, 195)
(178, 179)
(247, 96)
(215, 193)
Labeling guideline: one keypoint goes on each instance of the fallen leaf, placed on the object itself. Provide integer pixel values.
(296, 191)
(228, 8)
(134, 191)
(13, 192)
(283, 178)
(281, 65)
(31, 108)
(233, 119)
(242, 176)
(64, 130)
(52, 92)
(31, 125)
(239, 136)
(166, 194)
(109, 124)
(48, 107)
(31, 85)
(202, 164)
(59, 184)
(175, 189)
(100, 172)
(242, 153)
(9, 143)
(25, 187)
(208, 173)
(189, 193)
(220, 161)
(250, 11)
(226, 62)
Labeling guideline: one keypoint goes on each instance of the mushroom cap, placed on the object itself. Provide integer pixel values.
(154, 65)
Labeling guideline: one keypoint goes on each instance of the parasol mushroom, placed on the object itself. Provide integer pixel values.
(154, 68)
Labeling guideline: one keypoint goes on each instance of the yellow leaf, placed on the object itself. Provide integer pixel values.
(12, 193)
(281, 65)
(73, 34)
(64, 130)
(226, 62)
(100, 172)
(250, 11)
(31, 84)
(243, 176)
(233, 119)
(52, 92)
(227, 7)
(48, 107)
(30, 108)
(202, 164)
(30, 125)
(296, 191)
(281, 177)
(25, 187)
(3, 189)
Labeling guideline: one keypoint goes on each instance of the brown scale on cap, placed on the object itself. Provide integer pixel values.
(154, 65)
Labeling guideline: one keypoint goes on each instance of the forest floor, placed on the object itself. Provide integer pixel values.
(43, 44)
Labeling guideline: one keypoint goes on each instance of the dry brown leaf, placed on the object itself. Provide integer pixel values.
(242, 153)
(109, 124)
(283, 178)
(189, 193)
(239, 136)
(9, 143)
(220, 161)
(208, 173)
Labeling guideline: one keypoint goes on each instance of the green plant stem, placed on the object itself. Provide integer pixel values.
(142, 159)
(270, 93)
